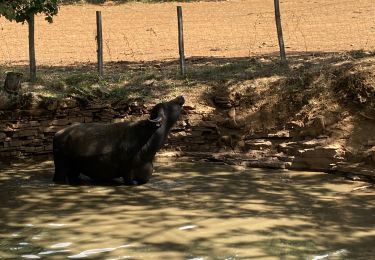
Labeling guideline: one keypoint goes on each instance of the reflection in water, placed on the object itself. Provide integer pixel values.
(60, 245)
(56, 225)
(31, 256)
(91, 251)
(189, 211)
(187, 227)
(49, 252)
(341, 252)
(96, 251)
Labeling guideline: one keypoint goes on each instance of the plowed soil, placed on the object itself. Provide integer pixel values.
(139, 31)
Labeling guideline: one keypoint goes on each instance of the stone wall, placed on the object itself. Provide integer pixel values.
(26, 133)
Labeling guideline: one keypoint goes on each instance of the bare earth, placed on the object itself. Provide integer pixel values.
(137, 31)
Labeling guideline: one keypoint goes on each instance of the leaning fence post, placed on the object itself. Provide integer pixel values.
(279, 31)
(181, 41)
(99, 39)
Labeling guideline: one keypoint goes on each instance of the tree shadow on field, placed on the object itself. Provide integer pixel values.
(151, 80)
(278, 214)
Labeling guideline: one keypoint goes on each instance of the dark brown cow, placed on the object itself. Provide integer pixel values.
(107, 151)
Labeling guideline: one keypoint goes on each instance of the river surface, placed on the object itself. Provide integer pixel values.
(189, 210)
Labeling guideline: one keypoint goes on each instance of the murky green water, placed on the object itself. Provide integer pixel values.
(188, 211)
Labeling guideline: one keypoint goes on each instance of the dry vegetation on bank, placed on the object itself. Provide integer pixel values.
(309, 85)
(331, 95)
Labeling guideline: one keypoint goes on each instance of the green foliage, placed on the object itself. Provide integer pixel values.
(21, 10)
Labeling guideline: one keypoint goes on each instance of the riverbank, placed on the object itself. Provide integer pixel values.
(317, 113)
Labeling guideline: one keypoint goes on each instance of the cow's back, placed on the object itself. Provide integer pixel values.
(90, 139)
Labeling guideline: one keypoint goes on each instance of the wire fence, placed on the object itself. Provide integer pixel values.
(144, 32)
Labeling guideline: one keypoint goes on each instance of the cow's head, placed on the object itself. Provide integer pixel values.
(167, 113)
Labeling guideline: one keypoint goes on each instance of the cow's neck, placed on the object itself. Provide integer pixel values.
(155, 143)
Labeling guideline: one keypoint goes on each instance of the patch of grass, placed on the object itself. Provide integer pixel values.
(306, 77)
(82, 79)
(358, 54)
(357, 87)
(220, 72)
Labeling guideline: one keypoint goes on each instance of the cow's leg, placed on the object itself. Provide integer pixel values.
(61, 169)
(65, 171)
(142, 173)
(127, 176)
(73, 177)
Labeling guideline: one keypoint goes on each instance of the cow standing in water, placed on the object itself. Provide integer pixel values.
(107, 151)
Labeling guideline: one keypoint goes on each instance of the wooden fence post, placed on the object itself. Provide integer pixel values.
(181, 41)
(99, 39)
(279, 31)
(32, 62)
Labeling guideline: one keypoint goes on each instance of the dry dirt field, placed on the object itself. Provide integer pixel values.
(235, 28)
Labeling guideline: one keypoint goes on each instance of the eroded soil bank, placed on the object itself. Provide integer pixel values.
(189, 210)
(317, 113)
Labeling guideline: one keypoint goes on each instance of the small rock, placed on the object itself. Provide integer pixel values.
(370, 154)
(149, 82)
(294, 125)
(315, 127)
(12, 84)
(223, 102)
